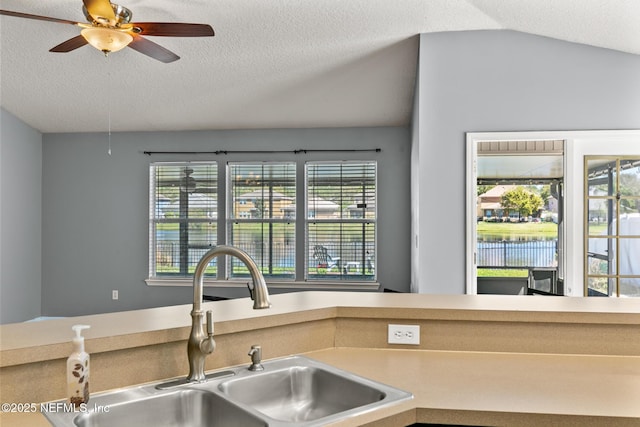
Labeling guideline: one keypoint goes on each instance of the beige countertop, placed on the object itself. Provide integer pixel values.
(34, 341)
(531, 385)
(502, 388)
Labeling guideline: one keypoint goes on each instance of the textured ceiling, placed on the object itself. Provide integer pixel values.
(272, 63)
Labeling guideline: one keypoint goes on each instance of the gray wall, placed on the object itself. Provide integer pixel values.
(95, 208)
(20, 220)
(95, 218)
(500, 81)
(415, 185)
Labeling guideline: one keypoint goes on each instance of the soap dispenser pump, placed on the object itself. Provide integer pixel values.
(78, 369)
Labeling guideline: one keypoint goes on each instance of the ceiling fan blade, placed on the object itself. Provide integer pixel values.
(154, 50)
(100, 10)
(38, 17)
(172, 29)
(69, 45)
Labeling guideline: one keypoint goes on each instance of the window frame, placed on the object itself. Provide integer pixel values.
(577, 145)
(299, 282)
(183, 224)
(231, 219)
(613, 237)
(364, 263)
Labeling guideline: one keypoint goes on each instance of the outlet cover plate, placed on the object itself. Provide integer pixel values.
(404, 334)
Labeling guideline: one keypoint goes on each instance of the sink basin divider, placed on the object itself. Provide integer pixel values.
(183, 381)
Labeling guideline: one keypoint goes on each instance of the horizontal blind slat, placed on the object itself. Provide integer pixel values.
(184, 211)
(341, 215)
(261, 216)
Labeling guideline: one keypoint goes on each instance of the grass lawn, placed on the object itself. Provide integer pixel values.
(547, 229)
(597, 229)
(502, 272)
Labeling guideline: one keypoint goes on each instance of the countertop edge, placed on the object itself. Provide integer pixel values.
(39, 341)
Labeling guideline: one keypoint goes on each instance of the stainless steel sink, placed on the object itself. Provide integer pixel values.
(300, 390)
(291, 391)
(181, 408)
(184, 407)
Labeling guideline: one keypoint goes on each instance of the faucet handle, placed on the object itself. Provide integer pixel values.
(256, 358)
(209, 322)
(250, 290)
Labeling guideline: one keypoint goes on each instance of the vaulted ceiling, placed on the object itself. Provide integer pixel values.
(271, 64)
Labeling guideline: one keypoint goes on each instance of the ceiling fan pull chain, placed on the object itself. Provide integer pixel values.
(109, 101)
(109, 148)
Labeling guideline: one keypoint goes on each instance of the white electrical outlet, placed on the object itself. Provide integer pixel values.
(114, 294)
(404, 334)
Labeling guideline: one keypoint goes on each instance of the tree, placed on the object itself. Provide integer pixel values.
(629, 188)
(545, 194)
(481, 189)
(522, 201)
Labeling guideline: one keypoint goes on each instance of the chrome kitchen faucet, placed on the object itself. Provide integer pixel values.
(200, 344)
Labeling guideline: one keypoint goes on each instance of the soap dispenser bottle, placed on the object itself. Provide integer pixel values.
(78, 369)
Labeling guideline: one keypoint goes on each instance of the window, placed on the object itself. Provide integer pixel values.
(612, 222)
(587, 252)
(183, 217)
(328, 238)
(261, 217)
(519, 216)
(341, 220)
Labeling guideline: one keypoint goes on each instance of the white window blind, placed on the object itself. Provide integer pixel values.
(261, 217)
(183, 217)
(341, 220)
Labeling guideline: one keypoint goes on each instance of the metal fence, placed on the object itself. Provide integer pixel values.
(508, 253)
(352, 257)
(280, 255)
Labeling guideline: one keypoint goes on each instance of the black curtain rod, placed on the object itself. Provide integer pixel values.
(218, 152)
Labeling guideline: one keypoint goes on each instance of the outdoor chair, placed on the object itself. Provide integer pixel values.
(324, 261)
(542, 281)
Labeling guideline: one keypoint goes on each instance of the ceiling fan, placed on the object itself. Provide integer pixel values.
(110, 29)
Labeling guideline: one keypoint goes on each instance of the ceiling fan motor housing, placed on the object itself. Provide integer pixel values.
(122, 16)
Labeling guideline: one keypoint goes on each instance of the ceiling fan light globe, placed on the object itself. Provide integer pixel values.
(106, 39)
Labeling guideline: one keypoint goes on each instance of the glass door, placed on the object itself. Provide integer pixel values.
(612, 226)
